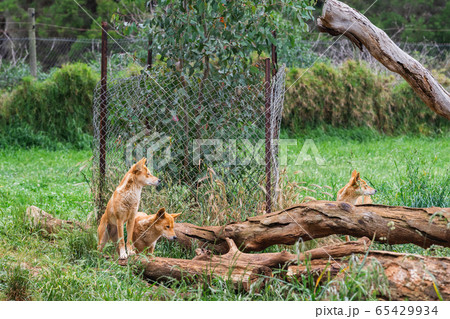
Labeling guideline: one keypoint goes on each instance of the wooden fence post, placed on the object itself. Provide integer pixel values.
(268, 139)
(103, 112)
(32, 41)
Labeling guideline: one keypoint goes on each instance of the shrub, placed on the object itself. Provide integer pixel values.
(59, 108)
(351, 95)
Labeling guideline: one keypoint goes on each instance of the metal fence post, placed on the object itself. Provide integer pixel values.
(268, 140)
(32, 41)
(274, 56)
(103, 111)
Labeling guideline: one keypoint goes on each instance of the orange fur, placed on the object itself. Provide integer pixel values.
(356, 192)
(122, 208)
(149, 228)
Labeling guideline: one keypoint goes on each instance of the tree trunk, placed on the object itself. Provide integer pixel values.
(411, 277)
(388, 224)
(338, 18)
(242, 269)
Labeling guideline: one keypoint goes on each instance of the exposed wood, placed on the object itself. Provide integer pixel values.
(411, 277)
(388, 224)
(242, 269)
(276, 260)
(338, 18)
(38, 218)
(241, 275)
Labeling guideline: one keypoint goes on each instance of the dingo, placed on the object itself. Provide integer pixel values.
(149, 228)
(356, 191)
(122, 208)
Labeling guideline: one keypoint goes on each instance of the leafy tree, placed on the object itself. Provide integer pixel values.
(219, 37)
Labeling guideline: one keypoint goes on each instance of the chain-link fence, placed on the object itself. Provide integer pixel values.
(205, 139)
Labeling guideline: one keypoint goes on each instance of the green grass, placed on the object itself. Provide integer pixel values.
(406, 170)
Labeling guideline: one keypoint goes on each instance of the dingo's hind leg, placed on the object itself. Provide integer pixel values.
(102, 233)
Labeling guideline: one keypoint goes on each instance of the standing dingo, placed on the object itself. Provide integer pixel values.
(122, 208)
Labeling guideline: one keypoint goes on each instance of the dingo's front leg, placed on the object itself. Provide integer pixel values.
(130, 229)
(122, 252)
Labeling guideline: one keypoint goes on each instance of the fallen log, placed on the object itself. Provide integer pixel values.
(387, 224)
(280, 259)
(247, 276)
(338, 18)
(409, 276)
(244, 270)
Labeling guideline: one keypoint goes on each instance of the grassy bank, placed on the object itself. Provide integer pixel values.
(406, 170)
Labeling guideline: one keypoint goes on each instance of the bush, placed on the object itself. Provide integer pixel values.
(56, 109)
(351, 95)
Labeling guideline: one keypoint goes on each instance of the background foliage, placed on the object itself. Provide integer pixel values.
(56, 109)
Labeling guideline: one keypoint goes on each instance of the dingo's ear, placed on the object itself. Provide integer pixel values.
(175, 215)
(140, 165)
(161, 212)
(355, 177)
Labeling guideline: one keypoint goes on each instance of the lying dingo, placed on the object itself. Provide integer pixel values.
(356, 191)
(122, 208)
(149, 228)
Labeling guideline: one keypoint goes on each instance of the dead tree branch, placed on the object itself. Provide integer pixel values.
(338, 18)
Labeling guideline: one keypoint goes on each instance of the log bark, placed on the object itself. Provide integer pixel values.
(388, 224)
(409, 276)
(246, 276)
(280, 259)
(340, 19)
(244, 270)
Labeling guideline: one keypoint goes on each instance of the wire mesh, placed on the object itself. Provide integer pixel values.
(203, 138)
(53, 52)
